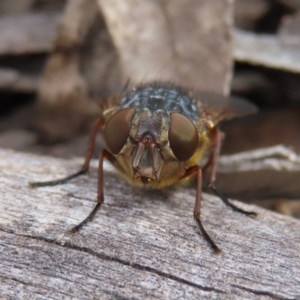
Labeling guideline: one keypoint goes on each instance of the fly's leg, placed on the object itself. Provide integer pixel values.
(195, 170)
(217, 138)
(100, 196)
(84, 169)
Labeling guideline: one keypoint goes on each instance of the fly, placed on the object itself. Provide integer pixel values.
(158, 135)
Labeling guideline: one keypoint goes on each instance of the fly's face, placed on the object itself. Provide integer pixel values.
(151, 147)
(147, 140)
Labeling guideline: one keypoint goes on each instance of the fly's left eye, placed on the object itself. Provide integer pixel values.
(117, 129)
(183, 137)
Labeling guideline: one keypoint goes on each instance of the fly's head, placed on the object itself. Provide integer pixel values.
(151, 147)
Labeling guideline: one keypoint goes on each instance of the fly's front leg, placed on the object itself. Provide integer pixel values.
(217, 140)
(85, 167)
(195, 170)
(100, 196)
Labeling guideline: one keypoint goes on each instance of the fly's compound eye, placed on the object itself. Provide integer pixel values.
(117, 129)
(183, 137)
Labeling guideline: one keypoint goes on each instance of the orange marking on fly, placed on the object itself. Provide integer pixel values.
(160, 134)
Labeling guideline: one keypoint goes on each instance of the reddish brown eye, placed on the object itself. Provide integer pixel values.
(117, 129)
(183, 137)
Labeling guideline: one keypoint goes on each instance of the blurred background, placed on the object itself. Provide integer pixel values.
(59, 59)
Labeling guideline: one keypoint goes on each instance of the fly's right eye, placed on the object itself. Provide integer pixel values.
(117, 129)
(183, 137)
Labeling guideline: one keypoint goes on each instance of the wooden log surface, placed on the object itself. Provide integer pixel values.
(141, 245)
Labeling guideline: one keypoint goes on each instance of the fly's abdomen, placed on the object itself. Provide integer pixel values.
(161, 97)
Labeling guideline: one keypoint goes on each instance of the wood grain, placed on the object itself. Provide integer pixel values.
(141, 245)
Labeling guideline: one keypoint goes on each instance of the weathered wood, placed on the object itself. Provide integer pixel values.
(27, 33)
(266, 50)
(186, 42)
(141, 245)
(260, 173)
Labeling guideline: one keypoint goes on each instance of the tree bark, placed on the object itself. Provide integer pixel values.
(141, 244)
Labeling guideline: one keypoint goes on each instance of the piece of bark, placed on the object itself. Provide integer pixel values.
(261, 173)
(266, 50)
(141, 245)
(186, 42)
(27, 33)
